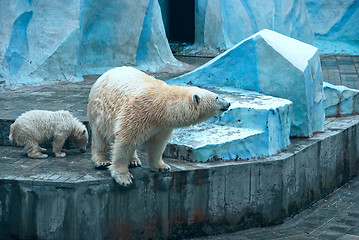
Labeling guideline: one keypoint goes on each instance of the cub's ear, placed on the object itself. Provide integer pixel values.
(196, 98)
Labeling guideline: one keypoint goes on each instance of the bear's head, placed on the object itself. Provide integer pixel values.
(185, 106)
(207, 104)
(204, 104)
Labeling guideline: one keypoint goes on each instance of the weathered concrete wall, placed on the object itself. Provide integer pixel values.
(193, 200)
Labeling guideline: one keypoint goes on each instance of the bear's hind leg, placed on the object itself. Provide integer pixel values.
(99, 151)
(121, 157)
(155, 147)
(33, 150)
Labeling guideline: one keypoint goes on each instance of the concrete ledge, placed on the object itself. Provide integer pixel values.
(67, 198)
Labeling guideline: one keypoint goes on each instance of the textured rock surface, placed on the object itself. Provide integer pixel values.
(222, 24)
(44, 41)
(275, 65)
(340, 100)
(255, 126)
(335, 25)
(330, 25)
(34, 34)
(123, 33)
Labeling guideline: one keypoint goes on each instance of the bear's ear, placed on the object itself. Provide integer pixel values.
(196, 98)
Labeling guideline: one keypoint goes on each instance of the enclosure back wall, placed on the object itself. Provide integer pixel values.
(221, 24)
(44, 41)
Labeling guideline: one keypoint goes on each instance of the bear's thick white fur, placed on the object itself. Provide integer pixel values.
(127, 108)
(37, 127)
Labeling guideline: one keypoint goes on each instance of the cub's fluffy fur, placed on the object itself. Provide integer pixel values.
(37, 127)
(127, 108)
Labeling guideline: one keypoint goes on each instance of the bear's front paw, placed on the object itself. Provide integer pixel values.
(163, 167)
(124, 178)
(60, 155)
(102, 165)
(135, 162)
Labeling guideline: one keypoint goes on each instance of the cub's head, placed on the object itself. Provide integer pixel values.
(208, 104)
(80, 137)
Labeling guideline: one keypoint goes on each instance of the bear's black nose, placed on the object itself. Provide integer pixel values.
(225, 107)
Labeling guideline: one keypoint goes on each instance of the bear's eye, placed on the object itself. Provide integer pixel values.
(217, 98)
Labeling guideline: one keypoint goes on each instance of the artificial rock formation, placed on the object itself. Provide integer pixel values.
(222, 24)
(275, 65)
(255, 126)
(283, 97)
(219, 25)
(340, 100)
(45, 41)
(335, 25)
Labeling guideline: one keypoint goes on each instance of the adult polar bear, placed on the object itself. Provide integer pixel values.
(127, 108)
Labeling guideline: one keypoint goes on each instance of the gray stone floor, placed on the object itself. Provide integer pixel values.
(335, 217)
(341, 70)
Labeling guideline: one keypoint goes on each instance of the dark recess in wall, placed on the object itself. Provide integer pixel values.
(181, 21)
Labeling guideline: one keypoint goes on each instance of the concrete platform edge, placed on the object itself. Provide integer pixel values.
(194, 200)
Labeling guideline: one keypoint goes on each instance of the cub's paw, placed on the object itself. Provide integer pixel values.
(102, 165)
(60, 155)
(135, 162)
(37, 155)
(124, 179)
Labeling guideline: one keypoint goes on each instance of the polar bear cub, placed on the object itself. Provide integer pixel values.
(127, 108)
(37, 127)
